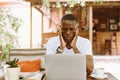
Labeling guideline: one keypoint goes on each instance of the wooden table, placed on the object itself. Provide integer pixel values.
(110, 77)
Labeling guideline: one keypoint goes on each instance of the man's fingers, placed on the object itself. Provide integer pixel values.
(77, 32)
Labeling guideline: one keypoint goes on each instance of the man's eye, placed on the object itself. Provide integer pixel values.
(65, 29)
(72, 29)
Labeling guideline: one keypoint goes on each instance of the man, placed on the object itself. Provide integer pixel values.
(68, 42)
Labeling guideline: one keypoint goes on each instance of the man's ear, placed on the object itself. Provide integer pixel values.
(60, 26)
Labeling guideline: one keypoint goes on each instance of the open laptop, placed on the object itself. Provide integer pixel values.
(65, 66)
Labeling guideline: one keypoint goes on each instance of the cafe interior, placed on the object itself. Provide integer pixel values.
(26, 26)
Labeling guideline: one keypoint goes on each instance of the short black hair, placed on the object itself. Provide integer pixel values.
(70, 17)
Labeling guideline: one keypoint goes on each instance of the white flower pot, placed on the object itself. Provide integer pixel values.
(1, 73)
(5, 66)
(13, 73)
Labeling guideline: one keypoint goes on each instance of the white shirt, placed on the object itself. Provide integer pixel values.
(82, 44)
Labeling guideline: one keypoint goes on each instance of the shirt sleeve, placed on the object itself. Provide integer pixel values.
(88, 47)
(50, 46)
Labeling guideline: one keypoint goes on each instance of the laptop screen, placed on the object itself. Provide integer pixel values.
(65, 66)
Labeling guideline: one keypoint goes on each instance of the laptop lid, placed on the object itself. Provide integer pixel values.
(65, 66)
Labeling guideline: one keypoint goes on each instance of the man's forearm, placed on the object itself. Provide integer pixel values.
(60, 50)
(76, 50)
(89, 64)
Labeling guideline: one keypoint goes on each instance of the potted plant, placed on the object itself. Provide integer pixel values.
(13, 70)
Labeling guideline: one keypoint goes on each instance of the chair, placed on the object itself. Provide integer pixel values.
(28, 54)
(111, 44)
(114, 48)
(107, 47)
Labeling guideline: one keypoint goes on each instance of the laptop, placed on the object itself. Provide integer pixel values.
(65, 66)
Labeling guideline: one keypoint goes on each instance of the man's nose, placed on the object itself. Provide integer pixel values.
(68, 31)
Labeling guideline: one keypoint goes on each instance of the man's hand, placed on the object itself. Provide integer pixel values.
(89, 64)
(62, 42)
(73, 43)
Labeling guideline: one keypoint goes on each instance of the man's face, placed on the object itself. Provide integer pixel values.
(68, 30)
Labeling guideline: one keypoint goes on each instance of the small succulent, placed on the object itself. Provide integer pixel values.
(13, 63)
